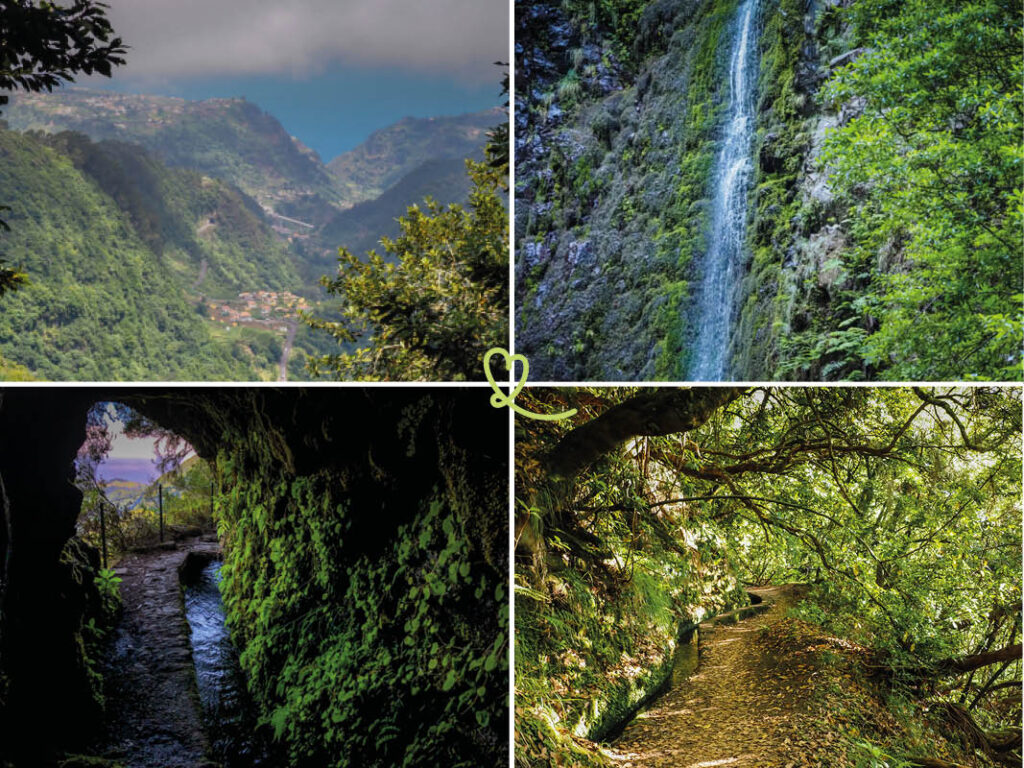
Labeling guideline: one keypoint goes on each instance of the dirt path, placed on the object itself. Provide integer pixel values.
(203, 266)
(153, 711)
(742, 706)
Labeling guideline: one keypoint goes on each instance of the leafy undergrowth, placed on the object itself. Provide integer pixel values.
(856, 717)
(592, 649)
(597, 625)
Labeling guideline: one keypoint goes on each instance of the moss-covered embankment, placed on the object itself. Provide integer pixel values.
(614, 161)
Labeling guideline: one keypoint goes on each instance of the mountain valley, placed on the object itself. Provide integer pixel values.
(175, 240)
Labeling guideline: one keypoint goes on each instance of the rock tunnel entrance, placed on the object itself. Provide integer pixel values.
(142, 484)
(145, 523)
(328, 486)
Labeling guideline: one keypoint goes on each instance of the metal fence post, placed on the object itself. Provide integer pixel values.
(103, 532)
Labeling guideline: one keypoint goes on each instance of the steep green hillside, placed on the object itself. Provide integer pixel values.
(186, 219)
(393, 152)
(107, 294)
(361, 227)
(882, 211)
(230, 139)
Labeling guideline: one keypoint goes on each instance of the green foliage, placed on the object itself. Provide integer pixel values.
(107, 581)
(596, 633)
(10, 278)
(439, 301)
(361, 227)
(187, 220)
(899, 507)
(868, 755)
(887, 541)
(43, 44)
(618, 19)
(371, 630)
(107, 295)
(931, 168)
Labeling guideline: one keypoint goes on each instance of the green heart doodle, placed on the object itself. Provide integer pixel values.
(500, 400)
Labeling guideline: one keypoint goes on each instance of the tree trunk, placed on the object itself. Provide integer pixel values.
(661, 412)
(968, 663)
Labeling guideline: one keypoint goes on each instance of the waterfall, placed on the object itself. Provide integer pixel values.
(723, 259)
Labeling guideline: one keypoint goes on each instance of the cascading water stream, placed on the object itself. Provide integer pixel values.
(723, 259)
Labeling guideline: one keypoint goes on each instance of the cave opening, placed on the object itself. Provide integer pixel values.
(134, 497)
(363, 534)
(142, 484)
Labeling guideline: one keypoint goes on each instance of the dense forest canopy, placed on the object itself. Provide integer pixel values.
(900, 507)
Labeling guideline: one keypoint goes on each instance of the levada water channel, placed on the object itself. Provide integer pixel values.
(228, 713)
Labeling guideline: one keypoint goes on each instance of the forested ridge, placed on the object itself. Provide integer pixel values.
(882, 211)
(113, 244)
(896, 512)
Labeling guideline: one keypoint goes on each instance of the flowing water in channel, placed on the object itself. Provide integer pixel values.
(227, 710)
(723, 260)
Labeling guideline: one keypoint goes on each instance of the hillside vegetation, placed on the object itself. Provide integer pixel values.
(101, 304)
(204, 193)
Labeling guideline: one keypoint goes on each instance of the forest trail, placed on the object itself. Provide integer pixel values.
(153, 712)
(743, 706)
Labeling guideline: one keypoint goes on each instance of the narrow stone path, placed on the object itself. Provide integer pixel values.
(741, 707)
(153, 712)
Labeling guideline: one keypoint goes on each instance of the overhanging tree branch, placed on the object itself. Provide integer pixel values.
(661, 412)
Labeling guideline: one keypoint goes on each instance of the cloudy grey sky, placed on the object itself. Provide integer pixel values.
(187, 38)
(332, 71)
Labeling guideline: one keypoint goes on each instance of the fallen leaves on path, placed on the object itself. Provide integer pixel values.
(748, 704)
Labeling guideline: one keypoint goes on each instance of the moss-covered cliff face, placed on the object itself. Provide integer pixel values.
(612, 184)
(613, 197)
(619, 128)
(365, 564)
